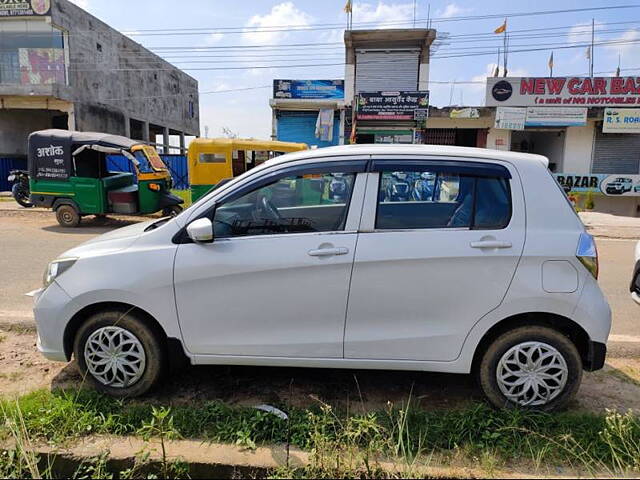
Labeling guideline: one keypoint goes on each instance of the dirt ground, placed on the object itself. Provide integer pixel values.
(33, 238)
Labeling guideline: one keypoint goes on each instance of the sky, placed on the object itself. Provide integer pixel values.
(247, 113)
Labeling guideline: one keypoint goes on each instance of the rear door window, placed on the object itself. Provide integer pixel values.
(432, 197)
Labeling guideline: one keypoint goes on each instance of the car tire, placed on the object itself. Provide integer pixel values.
(120, 339)
(171, 211)
(513, 357)
(67, 216)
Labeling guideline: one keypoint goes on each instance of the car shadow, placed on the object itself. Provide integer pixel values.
(95, 225)
(369, 390)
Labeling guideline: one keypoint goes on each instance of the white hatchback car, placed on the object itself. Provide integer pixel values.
(398, 257)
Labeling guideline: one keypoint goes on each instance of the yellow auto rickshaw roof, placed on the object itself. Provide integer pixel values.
(248, 144)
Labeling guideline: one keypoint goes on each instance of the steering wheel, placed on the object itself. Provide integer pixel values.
(265, 207)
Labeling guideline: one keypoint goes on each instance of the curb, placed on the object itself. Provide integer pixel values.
(212, 460)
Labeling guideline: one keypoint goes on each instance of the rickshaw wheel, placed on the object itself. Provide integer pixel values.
(172, 211)
(67, 216)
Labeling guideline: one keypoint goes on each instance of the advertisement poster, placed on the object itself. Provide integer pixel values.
(391, 105)
(510, 118)
(24, 8)
(621, 120)
(611, 185)
(309, 89)
(41, 66)
(556, 117)
(563, 91)
(465, 113)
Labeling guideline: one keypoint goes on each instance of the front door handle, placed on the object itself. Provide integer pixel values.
(491, 244)
(327, 252)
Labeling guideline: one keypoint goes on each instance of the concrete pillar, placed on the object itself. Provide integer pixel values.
(274, 124)
(145, 132)
(127, 126)
(165, 140)
(183, 150)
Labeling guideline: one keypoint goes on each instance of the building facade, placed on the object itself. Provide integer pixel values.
(308, 111)
(61, 67)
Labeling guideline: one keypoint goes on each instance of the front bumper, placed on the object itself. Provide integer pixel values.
(51, 321)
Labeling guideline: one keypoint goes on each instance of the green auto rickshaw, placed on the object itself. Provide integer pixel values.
(68, 172)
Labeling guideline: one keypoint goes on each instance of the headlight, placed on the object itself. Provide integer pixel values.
(57, 268)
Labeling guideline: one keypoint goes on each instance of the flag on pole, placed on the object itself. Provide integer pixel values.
(502, 28)
(551, 65)
(348, 7)
(496, 72)
(587, 53)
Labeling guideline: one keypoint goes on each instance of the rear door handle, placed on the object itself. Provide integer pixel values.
(327, 252)
(490, 244)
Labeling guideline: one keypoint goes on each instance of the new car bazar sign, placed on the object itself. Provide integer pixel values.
(613, 185)
(563, 91)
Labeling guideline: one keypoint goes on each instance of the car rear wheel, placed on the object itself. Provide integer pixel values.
(119, 354)
(67, 216)
(530, 367)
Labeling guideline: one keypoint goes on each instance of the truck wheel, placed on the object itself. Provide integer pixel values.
(67, 216)
(172, 211)
(530, 367)
(119, 354)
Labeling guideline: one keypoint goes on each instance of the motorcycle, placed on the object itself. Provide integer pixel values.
(20, 189)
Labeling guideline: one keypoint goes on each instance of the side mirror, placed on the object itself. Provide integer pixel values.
(201, 230)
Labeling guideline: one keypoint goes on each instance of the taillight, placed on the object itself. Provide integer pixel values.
(587, 253)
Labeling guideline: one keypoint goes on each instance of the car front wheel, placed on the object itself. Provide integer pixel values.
(531, 367)
(119, 354)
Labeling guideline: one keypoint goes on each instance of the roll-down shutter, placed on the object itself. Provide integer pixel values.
(300, 127)
(384, 71)
(616, 153)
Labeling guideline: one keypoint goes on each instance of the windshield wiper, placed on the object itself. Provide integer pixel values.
(158, 223)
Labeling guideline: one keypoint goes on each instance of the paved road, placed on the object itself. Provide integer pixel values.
(30, 239)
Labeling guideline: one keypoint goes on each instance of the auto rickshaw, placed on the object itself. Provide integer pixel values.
(212, 160)
(68, 173)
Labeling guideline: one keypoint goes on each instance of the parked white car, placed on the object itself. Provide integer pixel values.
(635, 279)
(490, 273)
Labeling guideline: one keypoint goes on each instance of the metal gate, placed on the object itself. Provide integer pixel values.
(300, 127)
(616, 153)
(440, 136)
(387, 70)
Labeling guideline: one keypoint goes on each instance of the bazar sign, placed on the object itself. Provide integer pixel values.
(565, 91)
(391, 105)
(309, 89)
(24, 8)
(621, 120)
(611, 185)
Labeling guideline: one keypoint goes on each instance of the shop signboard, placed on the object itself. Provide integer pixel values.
(556, 117)
(563, 91)
(612, 185)
(465, 113)
(25, 8)
(308, 89)
(391, 105)
(510, 118)
(621, 120)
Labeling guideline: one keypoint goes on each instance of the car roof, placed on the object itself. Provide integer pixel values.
(463, 153)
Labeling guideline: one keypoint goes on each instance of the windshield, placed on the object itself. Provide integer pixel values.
(143, 162)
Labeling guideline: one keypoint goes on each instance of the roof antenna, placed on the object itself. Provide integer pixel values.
(414, 13)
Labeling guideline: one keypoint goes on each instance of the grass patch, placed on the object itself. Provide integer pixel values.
(359, 441)
(184, 195)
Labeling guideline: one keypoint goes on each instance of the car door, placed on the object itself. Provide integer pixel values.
(428, 267)
(275, 280)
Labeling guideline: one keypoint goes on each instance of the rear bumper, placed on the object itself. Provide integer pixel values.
(596, 356)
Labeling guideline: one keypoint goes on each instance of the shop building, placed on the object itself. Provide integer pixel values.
(386, 84)
(60, 67)
(308, 111)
